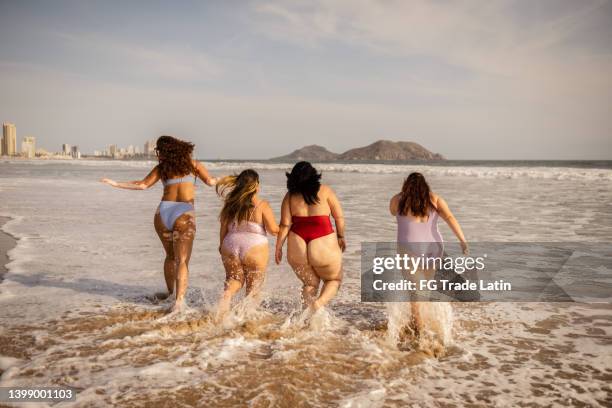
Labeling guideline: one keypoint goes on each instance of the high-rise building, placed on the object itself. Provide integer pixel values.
(112, 150)
(28, 147)
(74, 152)
(149, 148)
(9, 139)
(130, 150)
(66, 149)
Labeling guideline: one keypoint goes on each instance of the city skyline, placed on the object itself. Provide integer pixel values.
(9, 143)
(258, 79)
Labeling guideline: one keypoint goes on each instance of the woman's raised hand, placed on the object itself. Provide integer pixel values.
(278, 256)
(342, 243)
(108, 181)
(465, 248)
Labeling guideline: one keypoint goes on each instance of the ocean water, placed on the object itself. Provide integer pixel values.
(76, 307)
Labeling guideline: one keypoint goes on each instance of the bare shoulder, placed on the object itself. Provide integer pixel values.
(155, 170)
(326, 190)
(396, 197)
(435, 198)
(264, 204)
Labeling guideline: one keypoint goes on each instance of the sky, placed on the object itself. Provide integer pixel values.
(259, 79)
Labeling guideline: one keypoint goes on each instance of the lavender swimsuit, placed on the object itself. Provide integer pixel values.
(422, 238)
(242, 237)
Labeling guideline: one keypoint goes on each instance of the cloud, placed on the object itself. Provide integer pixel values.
(522, 58)
(174, 63)
(487, 37)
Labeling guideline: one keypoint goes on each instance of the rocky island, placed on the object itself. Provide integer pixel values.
(382, 150)
(310, 153)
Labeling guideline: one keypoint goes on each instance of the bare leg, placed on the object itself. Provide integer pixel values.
(254, 266)
(332, 277)
(325, 259)
(329, 290)
(254, 281)
(310, 284)
(234, 280)
(165, 236)
(183, 235)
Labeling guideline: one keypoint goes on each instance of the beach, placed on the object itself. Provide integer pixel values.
(77, 308)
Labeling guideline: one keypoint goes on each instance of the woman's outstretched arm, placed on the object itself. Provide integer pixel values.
(452, 222)
(148, 181)
(283, 231)
(202, 173)
(336, 212)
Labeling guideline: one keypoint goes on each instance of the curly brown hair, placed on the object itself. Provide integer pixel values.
(174, 156)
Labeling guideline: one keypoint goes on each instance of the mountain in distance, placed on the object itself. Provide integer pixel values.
(382, 150)
(388, 150)
(311, 153)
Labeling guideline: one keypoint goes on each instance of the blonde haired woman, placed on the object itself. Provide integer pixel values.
(243, 244)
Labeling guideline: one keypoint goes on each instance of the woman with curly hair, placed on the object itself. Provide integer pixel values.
(314, 249)
(175, 217)
(246, 220)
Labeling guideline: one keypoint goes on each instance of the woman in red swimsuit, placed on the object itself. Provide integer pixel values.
(314, 250)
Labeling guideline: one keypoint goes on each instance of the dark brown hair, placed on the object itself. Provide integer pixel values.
(415, 196)
(304, 180)
(238, 204)
(174, 157)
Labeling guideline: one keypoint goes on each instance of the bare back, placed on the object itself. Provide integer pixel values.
(185, 192)
(299, 208)
(394, 207)
(323, 253)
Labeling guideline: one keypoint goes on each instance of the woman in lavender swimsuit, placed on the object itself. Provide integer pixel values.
(417, 210)
(245, 221)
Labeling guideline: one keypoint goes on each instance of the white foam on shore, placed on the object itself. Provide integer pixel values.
(8, 362)
(484, 172)
(547, 173)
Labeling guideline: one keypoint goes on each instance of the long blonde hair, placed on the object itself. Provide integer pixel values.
(238, 204)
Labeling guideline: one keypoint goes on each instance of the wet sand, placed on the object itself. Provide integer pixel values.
(7, 242)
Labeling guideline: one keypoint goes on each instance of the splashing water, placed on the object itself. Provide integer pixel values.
(435, 327)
